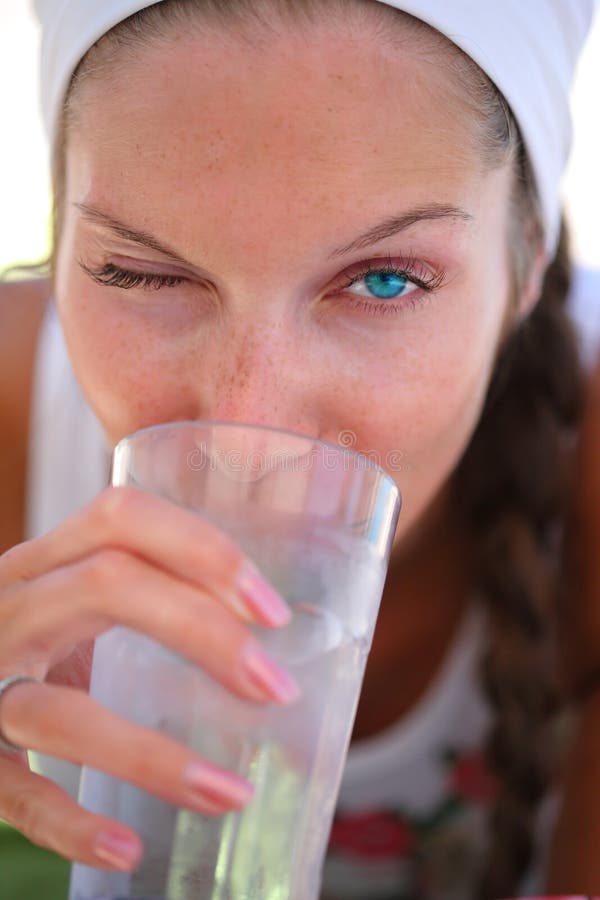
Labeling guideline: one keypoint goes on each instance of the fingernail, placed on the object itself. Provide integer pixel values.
(116, 850)
(261, 598)
(263, 673)
(223, 788)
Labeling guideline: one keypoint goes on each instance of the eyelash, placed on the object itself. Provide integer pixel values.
(110, 275)
(113, 276)
(411, 270)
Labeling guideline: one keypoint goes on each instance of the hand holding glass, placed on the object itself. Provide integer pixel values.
(319, 521)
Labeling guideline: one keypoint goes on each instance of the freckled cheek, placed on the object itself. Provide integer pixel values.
(130, 377)
(428, 377)
(418, 405)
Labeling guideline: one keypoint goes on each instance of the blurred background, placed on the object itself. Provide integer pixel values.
(24, 178)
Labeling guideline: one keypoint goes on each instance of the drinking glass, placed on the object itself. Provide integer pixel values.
(318, 519)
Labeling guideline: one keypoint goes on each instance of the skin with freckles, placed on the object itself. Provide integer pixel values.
(253, 179)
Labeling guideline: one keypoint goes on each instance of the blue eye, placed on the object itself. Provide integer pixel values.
(383, 284)
(386, 284)
(390, 287)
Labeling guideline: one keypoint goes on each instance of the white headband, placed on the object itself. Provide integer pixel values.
(529, 49)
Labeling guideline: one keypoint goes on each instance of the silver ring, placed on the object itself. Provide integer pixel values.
(5, 684)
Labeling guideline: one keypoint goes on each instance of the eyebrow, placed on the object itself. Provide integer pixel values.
(389, 227)
(97, 217)
(396, 224)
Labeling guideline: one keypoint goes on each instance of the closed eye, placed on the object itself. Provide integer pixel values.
(113, 276)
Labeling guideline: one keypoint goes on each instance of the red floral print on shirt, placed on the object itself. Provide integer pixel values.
(372, 835)
(471, 779)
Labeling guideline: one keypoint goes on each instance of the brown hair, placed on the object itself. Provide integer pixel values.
(511, 485)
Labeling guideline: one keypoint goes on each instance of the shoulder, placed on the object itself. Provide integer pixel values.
(22, 307)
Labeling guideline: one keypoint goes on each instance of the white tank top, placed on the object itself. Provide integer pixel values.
(420, 783)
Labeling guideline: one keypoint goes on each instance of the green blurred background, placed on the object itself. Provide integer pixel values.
(29, 873)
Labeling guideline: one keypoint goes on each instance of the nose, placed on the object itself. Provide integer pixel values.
(259, 380)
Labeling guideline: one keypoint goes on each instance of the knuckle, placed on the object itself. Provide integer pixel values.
(28, 712)
(152, 759)
(148, 759)
(9, 556)
(221, 547)
(230, 554)
(115, 506)
(12, 567)
(104, 569)
(22, 809)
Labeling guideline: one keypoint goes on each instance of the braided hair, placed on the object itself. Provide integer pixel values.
(512, 487)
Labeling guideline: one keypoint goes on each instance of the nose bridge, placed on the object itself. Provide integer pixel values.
(253, 380)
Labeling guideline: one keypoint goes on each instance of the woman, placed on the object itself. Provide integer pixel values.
(322, 216)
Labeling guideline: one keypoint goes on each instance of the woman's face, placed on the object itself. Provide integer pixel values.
(261, 170)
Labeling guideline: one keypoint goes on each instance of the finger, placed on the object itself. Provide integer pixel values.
(81, 601)
(173, 538)
(46, 815)
(19, 757)
(67, 724)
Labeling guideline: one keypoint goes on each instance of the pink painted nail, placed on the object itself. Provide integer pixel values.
(261, 598)
(267, 676)
(118, 851)
(222, 788)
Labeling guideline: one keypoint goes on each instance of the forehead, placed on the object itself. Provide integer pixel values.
(312, 120)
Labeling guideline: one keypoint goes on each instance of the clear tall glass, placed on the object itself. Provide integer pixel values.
(319, 520)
